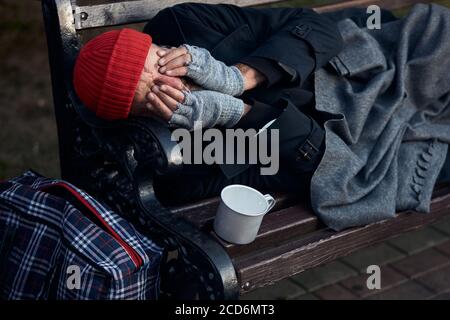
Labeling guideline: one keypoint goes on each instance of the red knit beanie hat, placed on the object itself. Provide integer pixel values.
(108, 69)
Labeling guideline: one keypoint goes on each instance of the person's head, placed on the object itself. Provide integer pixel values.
(114, 72)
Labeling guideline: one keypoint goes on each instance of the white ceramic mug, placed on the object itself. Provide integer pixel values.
(240, 213)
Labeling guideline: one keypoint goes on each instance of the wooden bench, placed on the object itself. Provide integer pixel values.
(115, 162)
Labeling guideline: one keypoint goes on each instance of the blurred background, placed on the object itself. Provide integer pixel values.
(27, 126)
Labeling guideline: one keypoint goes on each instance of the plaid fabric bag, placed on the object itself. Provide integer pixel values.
(57, 242)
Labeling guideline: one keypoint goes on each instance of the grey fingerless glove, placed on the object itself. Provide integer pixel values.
(212, 74)
(210, 107)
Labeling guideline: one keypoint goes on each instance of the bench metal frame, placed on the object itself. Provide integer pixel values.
(115, 162)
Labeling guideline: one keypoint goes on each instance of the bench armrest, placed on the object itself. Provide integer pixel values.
(154, 146)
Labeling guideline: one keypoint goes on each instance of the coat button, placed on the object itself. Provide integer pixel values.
(301, 30)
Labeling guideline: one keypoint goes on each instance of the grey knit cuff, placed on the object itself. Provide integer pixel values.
(231, 113)
(212, 74)
(194, 68)
(210, 108)
(237, 86)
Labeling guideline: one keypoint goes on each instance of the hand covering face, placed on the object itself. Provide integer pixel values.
(208, 107)
(212, 74)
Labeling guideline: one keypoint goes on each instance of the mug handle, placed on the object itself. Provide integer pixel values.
(271, 201)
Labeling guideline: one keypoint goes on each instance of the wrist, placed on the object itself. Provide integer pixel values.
(252, 77)
(247, 108)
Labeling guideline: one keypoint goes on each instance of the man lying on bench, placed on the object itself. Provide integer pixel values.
(227, 67)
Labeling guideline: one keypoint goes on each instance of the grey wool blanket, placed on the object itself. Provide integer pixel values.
(387, 95)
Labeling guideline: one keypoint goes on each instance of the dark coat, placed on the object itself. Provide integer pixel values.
(298, 38)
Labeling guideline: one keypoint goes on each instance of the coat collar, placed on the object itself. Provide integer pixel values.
(165, 29)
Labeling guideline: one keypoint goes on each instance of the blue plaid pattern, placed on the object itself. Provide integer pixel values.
(43, 233)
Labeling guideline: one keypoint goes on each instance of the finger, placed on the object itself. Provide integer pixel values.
(165, 98)
(154, 113)
(177, 72)
(175, 94)
(173, 82)
(172, 54)
(160, 108)
(161, 52)
(178, 62)
(148, 111)
(164, 50)
(157, 106)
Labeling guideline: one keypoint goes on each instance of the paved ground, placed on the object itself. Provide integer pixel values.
(415, 265)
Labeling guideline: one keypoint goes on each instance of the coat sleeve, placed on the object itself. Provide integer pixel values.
(298, 38)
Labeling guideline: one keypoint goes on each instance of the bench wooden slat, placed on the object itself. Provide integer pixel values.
(204, 211)
(284, 221)
(278, 227)
(263, 268)
(127, 12)
(385, 4)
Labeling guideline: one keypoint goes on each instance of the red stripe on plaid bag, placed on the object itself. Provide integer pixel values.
(137, 260)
